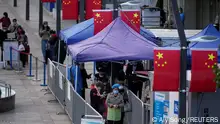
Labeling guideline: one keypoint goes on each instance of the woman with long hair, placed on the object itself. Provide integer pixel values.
(45, 35)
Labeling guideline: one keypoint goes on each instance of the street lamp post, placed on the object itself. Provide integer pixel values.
(183, 62)
(40, 14)
(15, 3)
(27, 9)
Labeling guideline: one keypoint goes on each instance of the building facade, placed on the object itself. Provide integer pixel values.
(198, 13)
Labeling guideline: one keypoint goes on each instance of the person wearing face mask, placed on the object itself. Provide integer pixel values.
(123, 90)
(115, 103)
(5, 20)
(45, 35)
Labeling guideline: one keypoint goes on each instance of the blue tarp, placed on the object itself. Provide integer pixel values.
(85, 30)
(79, 82)
(208, 38)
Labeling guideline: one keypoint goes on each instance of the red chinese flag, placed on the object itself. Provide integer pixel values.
(70, 9)
(92, 5)
(166, 70)
(102, 18)
(48, 1)
(202, 78)
(132, 18)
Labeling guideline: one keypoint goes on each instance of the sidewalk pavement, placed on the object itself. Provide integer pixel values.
(31, 103)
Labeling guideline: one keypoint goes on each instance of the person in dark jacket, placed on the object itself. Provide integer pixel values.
(135, 84)
(51, 51)
(95, 98)
(3, 36)
(5, 20)
(63, 49)
(138, 82)
(85, 76)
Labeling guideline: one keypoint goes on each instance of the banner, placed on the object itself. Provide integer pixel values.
(92, 5)
(70, 9)
(166, 69)
(132, 19)
(202, 78)
(102, 18)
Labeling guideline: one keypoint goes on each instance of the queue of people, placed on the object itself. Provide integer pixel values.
(19, 35)
(112, 100)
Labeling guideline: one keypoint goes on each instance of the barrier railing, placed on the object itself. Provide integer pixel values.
(32, 62)
(73, 105)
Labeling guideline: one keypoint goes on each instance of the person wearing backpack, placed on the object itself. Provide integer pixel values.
(5, 20)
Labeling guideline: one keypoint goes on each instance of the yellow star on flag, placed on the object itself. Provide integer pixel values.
(97, 15)
(66, 2)
(211, 56)
(135, 15)
(159, 55)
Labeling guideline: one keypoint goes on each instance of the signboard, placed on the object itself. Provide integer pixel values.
(159, 99)
(6, 47)
(166, 107)
(92, 121)
(176, 107)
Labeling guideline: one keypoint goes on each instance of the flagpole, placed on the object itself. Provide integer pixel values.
(115, 15)
(58, 23)
(183, 62)
(81, 11)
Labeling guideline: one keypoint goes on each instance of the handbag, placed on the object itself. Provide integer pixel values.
(127, 104)
(127, 107)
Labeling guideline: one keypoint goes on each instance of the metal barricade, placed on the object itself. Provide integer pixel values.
(62, 89)
(78, 108)
(137, 114)
(51, 77)
(58, 87)
(69, 99)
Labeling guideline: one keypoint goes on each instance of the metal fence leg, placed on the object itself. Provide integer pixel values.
(36, 71)
(51, 101)
(30, 67)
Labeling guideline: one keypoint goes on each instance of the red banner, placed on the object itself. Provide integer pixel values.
(92, 5)
(102, 18)
(48, 1)
(202, 78)
(132, 18)
(166, 70)
(70, 9)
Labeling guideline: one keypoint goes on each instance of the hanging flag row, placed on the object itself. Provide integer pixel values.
(103, 18)
(167, 70)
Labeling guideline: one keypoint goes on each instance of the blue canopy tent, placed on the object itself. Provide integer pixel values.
(208, 38)
(85, 30)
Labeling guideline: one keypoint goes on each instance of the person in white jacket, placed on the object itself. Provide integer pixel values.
(21, 49)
